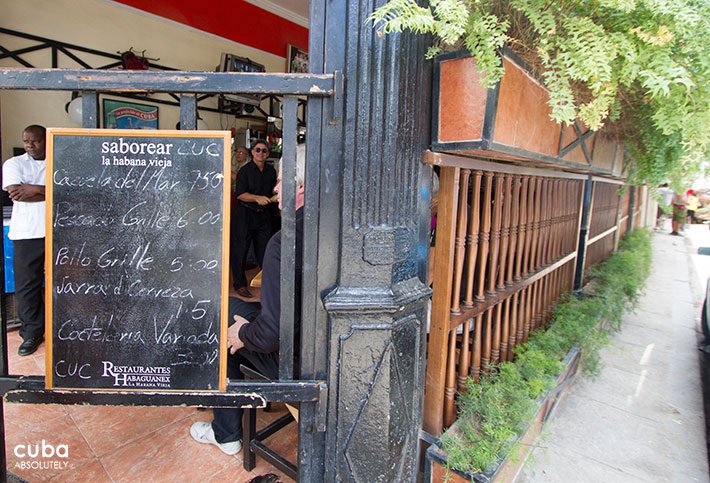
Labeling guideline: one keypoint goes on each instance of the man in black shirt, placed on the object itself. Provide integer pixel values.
(253, 337)
(252, 214)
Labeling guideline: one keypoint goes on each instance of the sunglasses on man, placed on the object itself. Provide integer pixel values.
(261, 150)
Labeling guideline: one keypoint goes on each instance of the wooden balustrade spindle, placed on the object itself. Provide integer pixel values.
(564, 210)
(530, 218)
(544, 219)
(505, 232)
(512, 337)
(557, 194)
(461, 229)
(450, 385)
(476, 362)
(473, 226)
(505, 331)
(522, 316)
(539, 302)
(495, 234)
(575, 220)
(484, 235)
(495, 346)
(533, 261)
(529, 308)
(553, 190)
(547, 292)
(522, 228)
(563, 221)
(552, 219)
(487, 341)
(513, 243)
(569, 213)
(464, 356)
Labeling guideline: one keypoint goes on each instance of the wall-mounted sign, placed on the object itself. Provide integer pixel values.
(129, 115)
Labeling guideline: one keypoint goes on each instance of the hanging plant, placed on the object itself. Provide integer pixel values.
(639, 66)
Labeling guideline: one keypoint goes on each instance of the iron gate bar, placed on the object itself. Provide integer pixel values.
(288, 238)
(167, 81)
(31, 390)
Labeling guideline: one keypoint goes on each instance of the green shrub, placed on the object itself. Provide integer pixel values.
(497, 409)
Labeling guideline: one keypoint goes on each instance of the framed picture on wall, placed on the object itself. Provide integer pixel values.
(296, 60)
(129, 115)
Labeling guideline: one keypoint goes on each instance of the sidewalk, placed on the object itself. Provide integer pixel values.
(642, 418)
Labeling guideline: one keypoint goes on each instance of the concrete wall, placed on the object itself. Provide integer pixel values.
(108, 27)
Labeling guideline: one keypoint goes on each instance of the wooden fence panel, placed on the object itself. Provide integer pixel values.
(511, 245)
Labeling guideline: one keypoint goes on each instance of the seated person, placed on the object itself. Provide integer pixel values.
(253, 337)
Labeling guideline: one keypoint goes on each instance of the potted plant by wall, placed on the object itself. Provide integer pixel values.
(638, 67)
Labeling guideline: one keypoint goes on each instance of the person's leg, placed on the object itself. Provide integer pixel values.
(262, 235)
(28, 265)
(248, 310)
(240, 246)
(227, 422)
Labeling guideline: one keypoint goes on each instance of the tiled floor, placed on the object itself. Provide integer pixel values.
(121, 444)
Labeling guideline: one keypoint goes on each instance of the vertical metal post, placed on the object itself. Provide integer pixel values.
(583, 234)
(188, 112)
(288, 237)
(90, 109)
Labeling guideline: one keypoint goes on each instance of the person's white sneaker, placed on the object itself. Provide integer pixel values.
(202, 433)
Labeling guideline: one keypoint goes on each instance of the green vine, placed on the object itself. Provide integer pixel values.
(498, 408)
(641, 67)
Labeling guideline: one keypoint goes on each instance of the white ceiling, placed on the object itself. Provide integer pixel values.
(297, 11)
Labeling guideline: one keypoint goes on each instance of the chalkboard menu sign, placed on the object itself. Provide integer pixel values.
(137, 272)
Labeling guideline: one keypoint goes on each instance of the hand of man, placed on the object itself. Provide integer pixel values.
(263, 200)
(22, 192)
(233, 341)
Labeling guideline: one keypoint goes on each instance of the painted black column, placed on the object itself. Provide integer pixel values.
(583, 234)
(372, 242)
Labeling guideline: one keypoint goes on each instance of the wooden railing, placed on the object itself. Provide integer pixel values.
(609, 210)
(505, 253)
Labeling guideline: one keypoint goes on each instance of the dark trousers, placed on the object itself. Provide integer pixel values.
(28, 265)
(227, 422)
(248, 227)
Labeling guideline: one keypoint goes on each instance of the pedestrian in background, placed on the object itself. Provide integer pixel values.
(679, 213)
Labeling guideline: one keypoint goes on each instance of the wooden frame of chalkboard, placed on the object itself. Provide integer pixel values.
(137, 260)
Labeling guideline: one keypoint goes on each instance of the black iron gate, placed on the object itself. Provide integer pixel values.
(311, 394)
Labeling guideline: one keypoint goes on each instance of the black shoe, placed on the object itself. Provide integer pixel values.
(29, 346)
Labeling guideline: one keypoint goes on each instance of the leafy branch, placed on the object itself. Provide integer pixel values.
(639, 67)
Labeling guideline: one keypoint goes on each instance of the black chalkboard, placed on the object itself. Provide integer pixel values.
(137, 231)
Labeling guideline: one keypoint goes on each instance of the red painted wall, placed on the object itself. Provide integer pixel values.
(234, 20)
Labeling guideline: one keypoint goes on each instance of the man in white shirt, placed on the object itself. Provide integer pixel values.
(24, 180)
